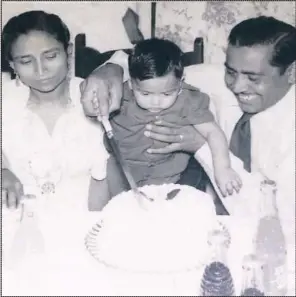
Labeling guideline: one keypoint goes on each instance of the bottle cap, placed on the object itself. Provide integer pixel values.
(250, 261)
(268, 184)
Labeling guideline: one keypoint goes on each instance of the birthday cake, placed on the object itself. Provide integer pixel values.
(169, 236)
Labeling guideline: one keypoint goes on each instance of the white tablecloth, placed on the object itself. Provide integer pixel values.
(67, 269)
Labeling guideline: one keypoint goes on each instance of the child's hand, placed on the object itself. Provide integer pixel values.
(228, 181)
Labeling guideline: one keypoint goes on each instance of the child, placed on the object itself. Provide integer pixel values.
(156, 90)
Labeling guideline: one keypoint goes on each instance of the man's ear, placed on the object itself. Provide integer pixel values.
(130, 84)
(291, 73)
(70, 49)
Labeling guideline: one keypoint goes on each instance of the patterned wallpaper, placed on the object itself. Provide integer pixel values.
(182, 21)
(100, 20)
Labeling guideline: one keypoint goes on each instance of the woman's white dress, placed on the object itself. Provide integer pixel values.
(65, 159)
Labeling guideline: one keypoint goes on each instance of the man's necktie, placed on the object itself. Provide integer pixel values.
(240, 142)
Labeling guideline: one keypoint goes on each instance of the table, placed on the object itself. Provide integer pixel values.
(67, 269)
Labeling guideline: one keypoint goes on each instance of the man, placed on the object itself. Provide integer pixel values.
(259, 124)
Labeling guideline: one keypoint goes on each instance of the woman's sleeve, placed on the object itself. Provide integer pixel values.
(4, 163)
(99, 153)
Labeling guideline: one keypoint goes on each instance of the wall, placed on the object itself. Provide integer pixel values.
(183, 21)
(101, 21)
(180, 21)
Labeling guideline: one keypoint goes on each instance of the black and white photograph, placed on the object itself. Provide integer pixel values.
(148, 148)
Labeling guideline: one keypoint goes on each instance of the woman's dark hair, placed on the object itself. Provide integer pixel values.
(155, 58)
(37, 20)
(265, 30)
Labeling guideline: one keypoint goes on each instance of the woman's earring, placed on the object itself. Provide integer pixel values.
(17, 79)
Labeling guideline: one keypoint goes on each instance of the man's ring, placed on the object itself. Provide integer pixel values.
(181, 137)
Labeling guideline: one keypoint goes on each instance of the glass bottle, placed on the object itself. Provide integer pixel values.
(270, 242)
(217, 279)
(252, 284)
(28, 239)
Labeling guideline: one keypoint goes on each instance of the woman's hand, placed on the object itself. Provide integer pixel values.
(12, 189)
(101, 91)
(179, 138)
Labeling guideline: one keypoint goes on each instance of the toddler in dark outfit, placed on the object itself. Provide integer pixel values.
(156, 90)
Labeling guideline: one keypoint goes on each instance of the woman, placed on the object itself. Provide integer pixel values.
(50, 145)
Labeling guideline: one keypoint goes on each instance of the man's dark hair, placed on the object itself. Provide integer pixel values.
(265, 30)
(33, 21)
(155, 57)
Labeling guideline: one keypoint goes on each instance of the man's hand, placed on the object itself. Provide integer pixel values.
(101, 92)
(180, 138)
(12, 189)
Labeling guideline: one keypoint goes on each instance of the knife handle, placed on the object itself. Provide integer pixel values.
(107, 126)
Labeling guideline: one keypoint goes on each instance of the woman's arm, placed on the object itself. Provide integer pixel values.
(4, 163)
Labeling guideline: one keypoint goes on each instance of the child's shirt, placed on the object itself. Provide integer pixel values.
(190, 108)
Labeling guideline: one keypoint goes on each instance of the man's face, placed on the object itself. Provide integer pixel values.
(248, 74)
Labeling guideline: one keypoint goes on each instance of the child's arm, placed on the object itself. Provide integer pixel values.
(226, 178)
(98, 194)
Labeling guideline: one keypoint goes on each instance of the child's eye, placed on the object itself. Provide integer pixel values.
(145, 93)
(167, 94)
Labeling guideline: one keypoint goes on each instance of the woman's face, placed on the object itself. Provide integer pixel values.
(40, 61)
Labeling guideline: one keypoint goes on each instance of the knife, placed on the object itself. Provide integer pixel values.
(122, 164)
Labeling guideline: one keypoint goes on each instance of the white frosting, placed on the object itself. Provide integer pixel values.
(170, 236)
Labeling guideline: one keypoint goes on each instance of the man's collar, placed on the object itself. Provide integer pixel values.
(284, 105)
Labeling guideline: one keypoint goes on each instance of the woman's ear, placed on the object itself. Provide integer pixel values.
(11, 64)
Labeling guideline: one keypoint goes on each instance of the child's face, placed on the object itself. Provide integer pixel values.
(156, 94)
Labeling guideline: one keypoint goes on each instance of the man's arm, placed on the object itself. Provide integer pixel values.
(101, 92)
(119, 58)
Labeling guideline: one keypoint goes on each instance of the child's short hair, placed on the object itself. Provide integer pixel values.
(155, 57)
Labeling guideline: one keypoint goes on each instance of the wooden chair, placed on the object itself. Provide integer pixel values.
(87, 58)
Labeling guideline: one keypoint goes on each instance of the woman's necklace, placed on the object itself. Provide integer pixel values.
(49, 112)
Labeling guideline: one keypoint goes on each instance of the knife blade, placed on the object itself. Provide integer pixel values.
(118, 156)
